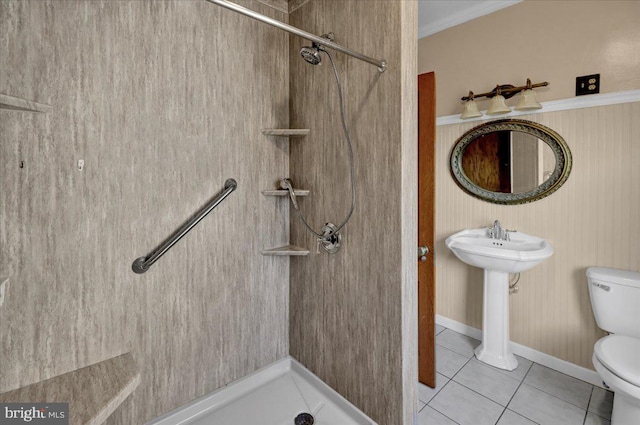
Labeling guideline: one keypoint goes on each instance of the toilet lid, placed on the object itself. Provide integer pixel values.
(621, 355)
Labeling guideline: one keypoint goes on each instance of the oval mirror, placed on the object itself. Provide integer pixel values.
(510, 161)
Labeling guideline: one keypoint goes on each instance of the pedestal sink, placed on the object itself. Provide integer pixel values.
(498, 257)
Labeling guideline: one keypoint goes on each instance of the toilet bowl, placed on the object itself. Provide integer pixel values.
(617, 361)
(615, 299)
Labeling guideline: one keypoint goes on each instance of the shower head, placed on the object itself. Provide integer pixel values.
(311, 54)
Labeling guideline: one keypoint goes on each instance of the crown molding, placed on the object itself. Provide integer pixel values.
(473, 12)
(579, 102)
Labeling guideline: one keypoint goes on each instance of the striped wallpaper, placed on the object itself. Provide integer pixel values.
(591, 221)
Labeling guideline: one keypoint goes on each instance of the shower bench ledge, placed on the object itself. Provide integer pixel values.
(93, 392)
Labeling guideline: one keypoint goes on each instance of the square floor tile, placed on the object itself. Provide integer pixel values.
(544, 408)
(449, 362)
(511, 418)
(601, 402)
(596, 420)
(487, 381)
(558, 384)
(465, 406)
(459, 343)
(426, 393)
(428, 416)
(439, 329)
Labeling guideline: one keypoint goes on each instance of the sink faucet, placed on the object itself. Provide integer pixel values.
(496, 232)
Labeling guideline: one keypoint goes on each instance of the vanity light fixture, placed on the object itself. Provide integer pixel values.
(470, 108)
(497, 105)
(528, 100)
(498, 96)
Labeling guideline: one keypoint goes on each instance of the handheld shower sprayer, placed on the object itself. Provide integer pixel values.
(287, 184)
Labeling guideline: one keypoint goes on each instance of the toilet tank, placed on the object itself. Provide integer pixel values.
(615, 300)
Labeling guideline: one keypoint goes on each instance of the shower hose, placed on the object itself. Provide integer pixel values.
(289, 186)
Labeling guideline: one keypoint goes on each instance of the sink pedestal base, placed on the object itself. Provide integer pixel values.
(495, 349)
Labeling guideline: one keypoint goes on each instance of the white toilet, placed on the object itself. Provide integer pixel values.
(615, 299)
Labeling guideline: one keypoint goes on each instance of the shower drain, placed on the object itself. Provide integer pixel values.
(304, 419)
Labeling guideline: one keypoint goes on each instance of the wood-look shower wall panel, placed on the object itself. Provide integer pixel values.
(590, 221)
(164, 101)
(346, 308)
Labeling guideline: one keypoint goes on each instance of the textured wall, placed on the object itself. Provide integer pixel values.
(162, 102)
(347, 312)
(590, 221)
(553, 41)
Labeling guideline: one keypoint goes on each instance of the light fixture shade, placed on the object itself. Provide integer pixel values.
(528, 101)
(470, 110)
(497, 106)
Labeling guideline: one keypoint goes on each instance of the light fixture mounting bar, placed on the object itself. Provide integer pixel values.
(507, 90)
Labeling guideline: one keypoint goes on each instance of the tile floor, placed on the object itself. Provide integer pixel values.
(469, 392)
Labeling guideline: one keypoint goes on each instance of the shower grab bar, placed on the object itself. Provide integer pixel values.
(381, 64)
(142, 264)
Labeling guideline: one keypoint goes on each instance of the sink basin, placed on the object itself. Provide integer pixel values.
(516, 255)
(498, 258)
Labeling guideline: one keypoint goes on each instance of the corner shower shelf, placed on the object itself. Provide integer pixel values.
(285, 132)
(287, 250)
(284, 192)
(93, 392)
(18, 104)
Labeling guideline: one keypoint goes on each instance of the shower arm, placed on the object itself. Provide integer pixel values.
(381, 64)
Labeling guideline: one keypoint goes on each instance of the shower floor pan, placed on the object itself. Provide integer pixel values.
(273, 395)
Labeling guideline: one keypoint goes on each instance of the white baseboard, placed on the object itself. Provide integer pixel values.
(563, 366)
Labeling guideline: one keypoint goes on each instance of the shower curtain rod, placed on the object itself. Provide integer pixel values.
(381, 64)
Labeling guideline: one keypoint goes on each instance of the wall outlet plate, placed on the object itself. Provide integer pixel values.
(588, 84)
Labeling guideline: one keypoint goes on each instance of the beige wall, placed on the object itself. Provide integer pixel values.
(158, 101)
(553, 41)
(590, 221)
(353, 316)
(545, 41)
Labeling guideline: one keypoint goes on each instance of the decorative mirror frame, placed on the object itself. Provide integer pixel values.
(551, 138)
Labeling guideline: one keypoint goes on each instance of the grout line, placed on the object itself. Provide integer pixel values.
(584, 421)
(561, 399)
(436, 393)
(518, 389)
(431, 407)
(473, 391)
(482, 395)
(522, 416)
(434, 396)
(555, 396)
